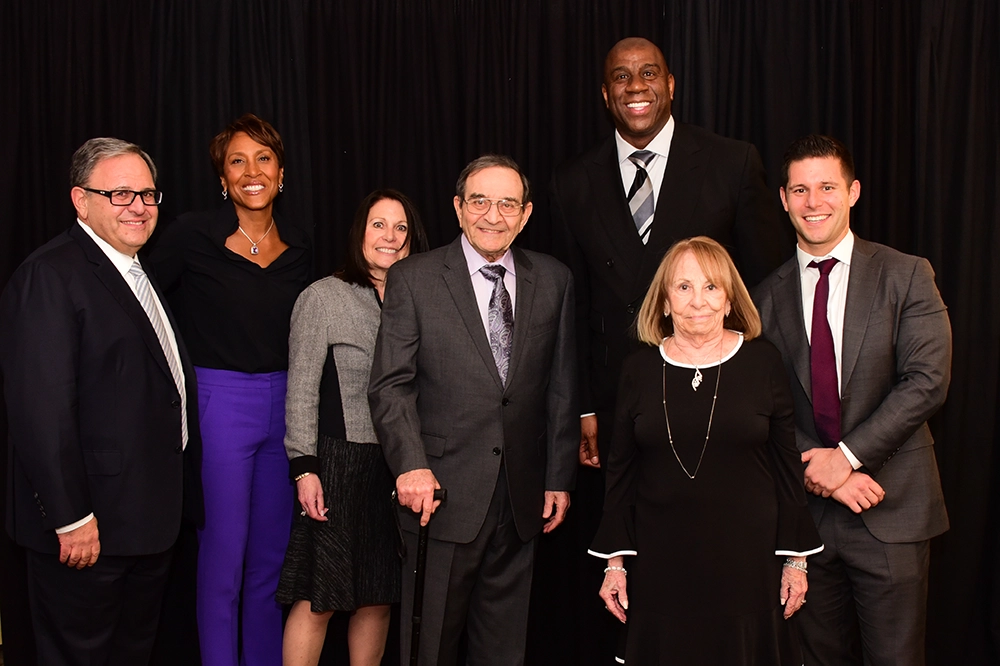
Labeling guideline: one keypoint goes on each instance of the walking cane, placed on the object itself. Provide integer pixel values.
(418, 584)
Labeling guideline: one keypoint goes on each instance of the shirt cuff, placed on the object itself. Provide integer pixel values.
(73, 526)
(851, 458)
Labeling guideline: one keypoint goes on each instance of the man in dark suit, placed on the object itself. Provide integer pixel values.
(616, 210)
(94, 380)
(473, 389)
(866, 340)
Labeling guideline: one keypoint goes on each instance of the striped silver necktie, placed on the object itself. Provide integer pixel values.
(640, 195)
(145, 295)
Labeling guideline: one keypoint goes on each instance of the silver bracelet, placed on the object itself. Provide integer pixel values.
(622, 569)
(795, 564)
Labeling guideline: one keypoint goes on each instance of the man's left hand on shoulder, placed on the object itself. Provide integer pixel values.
(556, 506)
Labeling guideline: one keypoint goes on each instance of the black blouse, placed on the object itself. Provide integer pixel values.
(232, 314)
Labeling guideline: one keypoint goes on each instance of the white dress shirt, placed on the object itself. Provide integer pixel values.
(660, 145)
(482, 285)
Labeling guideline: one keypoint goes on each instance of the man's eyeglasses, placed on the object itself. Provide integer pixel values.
(126, 197)
(482, 205)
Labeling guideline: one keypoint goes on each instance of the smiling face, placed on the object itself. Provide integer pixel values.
(252, 174)
(696, 304)
(638, 89)
(491, 233)
(385, 236)
(818, 199)
(125, 228)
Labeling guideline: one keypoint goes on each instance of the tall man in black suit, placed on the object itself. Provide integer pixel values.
(473, 389)
(866, 341)
(100, 420)
(616, 210)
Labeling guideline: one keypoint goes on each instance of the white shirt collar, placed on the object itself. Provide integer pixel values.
(477, 261)
(659, 145)
(122, 262)
(842, 253)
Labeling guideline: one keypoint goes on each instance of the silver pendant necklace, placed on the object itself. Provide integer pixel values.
(253, 246)
(708, 431)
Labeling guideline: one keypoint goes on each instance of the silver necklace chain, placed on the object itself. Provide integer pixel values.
(253, 245)
(708, 431)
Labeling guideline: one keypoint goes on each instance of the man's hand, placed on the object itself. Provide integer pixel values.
(311, 497)
(860, 493)
(415, 489)
(588, 442)
(827, 470)
(81, 547)
(556, 506)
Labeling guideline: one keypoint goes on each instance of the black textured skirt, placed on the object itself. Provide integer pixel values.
(352, 560)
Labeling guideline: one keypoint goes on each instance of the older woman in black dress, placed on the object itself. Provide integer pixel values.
(232, 276)
(343, 553)
(705, 488)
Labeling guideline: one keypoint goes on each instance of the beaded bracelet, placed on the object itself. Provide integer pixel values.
(302, 476)
(795, 564)
(622, 569)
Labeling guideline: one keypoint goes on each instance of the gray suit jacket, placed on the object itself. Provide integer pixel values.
(895, 370)
(437, 400)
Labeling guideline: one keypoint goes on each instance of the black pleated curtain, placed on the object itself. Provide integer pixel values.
(372, 93)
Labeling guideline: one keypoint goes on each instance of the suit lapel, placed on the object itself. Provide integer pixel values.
(456, 277)
(677, 198)
(791, 322)
(123, 294)
(522, 309)
(866, 270)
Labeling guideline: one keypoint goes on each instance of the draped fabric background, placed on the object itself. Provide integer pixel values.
(371, 93)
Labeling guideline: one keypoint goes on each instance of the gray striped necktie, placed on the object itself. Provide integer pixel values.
(640, 195)
(145, 295)
(501, 319)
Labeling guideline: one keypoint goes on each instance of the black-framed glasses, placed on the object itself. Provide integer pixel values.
(482, 205)
(126, 197)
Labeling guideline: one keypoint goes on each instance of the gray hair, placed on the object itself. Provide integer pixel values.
(90, 154)
(486, 162)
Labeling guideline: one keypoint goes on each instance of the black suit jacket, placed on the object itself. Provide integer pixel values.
(94, 414)
(438, 402)
(895, 371)
(712, 186)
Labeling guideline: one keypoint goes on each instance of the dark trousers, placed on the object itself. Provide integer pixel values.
(867, 599)
(482, 587)
(104, 615)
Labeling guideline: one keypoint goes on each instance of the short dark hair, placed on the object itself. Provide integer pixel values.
(486, 162)
(257, 129)
(818, 145)
(356, 269)
(93, 151)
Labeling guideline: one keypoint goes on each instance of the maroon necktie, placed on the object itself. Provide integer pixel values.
(823, 362)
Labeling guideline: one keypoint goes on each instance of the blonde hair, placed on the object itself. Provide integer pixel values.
(652, 325)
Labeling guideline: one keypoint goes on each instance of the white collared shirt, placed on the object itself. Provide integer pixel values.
(660, 145)
(835, 306)
(482, 285)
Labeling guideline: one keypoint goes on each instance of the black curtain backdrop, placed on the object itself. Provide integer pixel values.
(401, 93)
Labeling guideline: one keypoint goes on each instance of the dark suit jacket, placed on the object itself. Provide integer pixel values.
(93, 409)
(895, 370)
(712, 186)
(437, 400)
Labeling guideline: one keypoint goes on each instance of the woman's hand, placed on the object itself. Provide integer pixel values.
(311, 497)
(613, 591)
(794, 584)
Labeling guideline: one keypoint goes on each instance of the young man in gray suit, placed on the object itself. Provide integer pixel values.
(866, 340)
(473, 389)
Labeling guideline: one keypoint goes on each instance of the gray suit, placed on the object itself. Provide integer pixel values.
(438, 402)
(895, 370)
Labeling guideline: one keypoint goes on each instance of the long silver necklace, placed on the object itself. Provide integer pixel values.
(708, 431)
(253, 246)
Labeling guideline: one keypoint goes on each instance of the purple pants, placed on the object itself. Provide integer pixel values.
(248, 515)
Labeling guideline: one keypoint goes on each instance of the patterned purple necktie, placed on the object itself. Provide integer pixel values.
(501, 319)
(823, 362)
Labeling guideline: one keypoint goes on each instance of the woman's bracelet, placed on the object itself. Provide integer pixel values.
(622, 569)
(302, 476)
(795, 564)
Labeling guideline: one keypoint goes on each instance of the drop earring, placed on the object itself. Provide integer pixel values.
(225, 194)
(281, 187)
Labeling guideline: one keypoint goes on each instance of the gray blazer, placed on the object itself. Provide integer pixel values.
(895, 370)
(437, 400)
